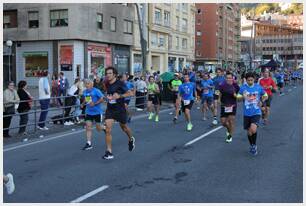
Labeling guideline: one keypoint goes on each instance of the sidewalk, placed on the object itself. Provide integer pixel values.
(58, 128)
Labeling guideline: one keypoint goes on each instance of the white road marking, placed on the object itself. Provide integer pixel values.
(202, 136)
(90, 194)
(46, 139)
(41, 140)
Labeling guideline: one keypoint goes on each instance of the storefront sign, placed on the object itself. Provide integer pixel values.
(31, 54)
(66, 54)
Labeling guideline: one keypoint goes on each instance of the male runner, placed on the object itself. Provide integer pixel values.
(129, 85)
(218, 79)
(186, 94)
(116, 93)
(253, 96)
(268, 84)
(206, 87)
(228, 90)
(93, 98)
(279, 75)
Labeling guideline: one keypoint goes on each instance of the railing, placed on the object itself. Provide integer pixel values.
(36, 110)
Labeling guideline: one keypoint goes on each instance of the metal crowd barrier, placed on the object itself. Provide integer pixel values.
(36, 110)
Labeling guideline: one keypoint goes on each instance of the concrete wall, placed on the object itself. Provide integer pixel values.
(81, 23)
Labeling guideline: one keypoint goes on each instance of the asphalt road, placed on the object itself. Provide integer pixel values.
(162, 168)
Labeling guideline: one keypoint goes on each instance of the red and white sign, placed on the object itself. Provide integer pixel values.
(66, 54)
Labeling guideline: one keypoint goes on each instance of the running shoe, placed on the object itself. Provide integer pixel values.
(204, 118)
(87, 147)
(253, 149)
(229, 138)
(156, 118)
(132, 144)
(215, 122)
(174, 120)
(150, 116)
(10, 186)
(189, 127)
(108, 155)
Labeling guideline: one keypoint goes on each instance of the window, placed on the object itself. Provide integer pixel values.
(198, 42)
(113, 23)
(199, 33)
(170, 42)
(59, 18)
(154, 40)
(128, 27)
(184, 43)
(184, 24)
(10, 19)
(198, 53)
(36, 63)
(161, 40)
(184, 7)
(167, 18)
(178, 6)
(100, 21)
(177, 23)
(198, 21)
(177, 42)
(157, 16)
(199, 11)
(33, 19)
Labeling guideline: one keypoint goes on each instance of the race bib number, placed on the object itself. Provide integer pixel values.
(206, 91)
(228, 109)
(186, 102)
(217, 92)
(113, 101)
(88, 99)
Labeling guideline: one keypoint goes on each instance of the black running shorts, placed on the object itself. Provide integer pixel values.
(97, 118)
(153, 98)
(226, 111)
(248, 120)
(189, 106)
(119, 115)
(267, 103)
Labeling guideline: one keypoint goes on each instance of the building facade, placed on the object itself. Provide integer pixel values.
(217, 35)
(169, 32)
(78, 39)
(265, 41)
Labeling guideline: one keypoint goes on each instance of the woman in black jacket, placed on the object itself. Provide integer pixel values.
(24, 106)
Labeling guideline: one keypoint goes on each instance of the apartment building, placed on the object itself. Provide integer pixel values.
(169, 31)
(78, 39)
(267, 41)
(217, 35)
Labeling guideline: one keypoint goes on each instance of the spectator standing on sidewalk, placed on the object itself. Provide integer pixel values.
(44, 100)
(10, 98)
(63, 85)
(54, 90)
(141, 88)
(24, 106)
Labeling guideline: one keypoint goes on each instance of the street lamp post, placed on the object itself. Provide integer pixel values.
(9, 44)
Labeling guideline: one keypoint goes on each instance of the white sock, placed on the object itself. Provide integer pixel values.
(89, 142)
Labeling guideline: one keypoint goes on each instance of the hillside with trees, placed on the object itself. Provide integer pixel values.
(258, 9)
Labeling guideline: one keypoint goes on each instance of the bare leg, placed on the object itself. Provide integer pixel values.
(108, 135)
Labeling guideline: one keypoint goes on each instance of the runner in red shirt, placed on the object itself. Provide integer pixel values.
(268, 84)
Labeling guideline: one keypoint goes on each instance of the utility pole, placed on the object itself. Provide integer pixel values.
(143, 41)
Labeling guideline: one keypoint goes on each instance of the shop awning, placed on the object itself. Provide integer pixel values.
(30, 54)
